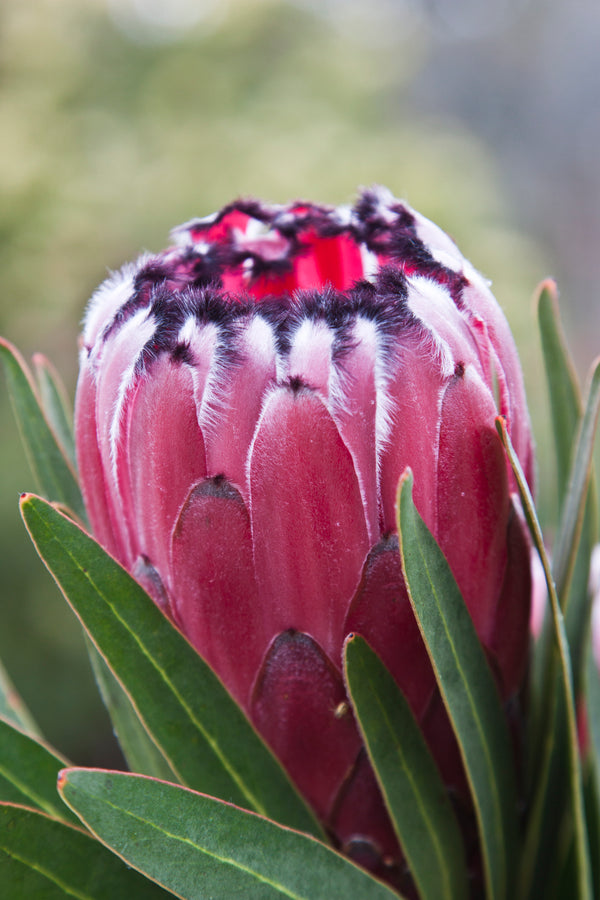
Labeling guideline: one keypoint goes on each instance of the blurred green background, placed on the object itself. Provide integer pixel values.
(121, 118)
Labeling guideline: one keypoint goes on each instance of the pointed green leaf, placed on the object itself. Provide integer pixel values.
(56, 405)
(565, 396)
(573, 440)
(577, 603)
(12, 707)
(199, 729)
(138, 748)
(592, 697)
(593, 707)
(563, 867)
(44, 859)
(54, 473)
(28, 771)
(199, 847)
(592, 810)
(548, 800)
(561, 726)
(567, 414)
(571, 519)
(414, 792)
(467, 688)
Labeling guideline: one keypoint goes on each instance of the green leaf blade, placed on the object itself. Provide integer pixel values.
(578, 528)
(54, 473)
(45, 859)
(12, 707)
(198, 727)
(593, 707)
(55, 403)
(199, 847)
(415, 795)
(468, 690)
(140, 751)
(28, 771)
(580, 470)
(565, 395)
(560, 740)
(573, 425)
(592, 700)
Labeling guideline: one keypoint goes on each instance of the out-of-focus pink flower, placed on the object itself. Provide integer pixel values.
(595, 594)
(539, 595)
(247, 402)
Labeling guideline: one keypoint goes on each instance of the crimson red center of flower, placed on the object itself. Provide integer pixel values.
(265, 251)
(273, 255)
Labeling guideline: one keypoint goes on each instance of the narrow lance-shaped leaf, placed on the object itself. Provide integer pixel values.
(411, 785)
(198, 727)
(573, 442)
(592, 807)
(199, 847)
(54, 473)
(549, 795)
(571, 520)
(55, 403)
(593, 707)
(531, 857)
(28, 771)
(577, 604)
(45, 859)
(592, 699)
(138, 748)
(468, 691)
(566, 405)
(12, 707)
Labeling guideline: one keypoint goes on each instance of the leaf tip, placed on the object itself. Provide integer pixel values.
(548, 284)
(25, 498)
(594, 367)
(6, 345)
(500, 422)
(547, 288)
(351, 640)
(405, 479)
(39, 360)
(62, 779)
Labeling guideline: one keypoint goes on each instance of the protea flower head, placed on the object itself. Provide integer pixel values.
(247, 402)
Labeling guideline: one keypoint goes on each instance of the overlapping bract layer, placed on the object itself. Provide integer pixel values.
(247, 402)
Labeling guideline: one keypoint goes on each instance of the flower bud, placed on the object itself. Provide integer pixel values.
(247, 402)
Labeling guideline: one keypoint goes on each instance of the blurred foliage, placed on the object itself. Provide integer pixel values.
(110, 137)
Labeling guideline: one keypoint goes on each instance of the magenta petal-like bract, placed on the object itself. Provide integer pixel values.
(162, 464)
(309, 530)
(211, 560)
(299, 705)
(381, 612)
(248, 400)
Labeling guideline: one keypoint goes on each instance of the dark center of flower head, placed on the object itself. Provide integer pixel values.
(290, 265)
(266, 251)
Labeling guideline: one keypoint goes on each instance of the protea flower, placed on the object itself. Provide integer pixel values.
(247, 402)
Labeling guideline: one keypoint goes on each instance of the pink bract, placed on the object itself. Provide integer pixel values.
(247, 402)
